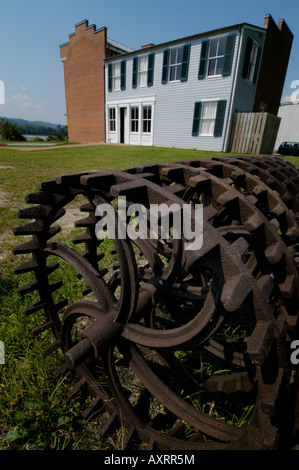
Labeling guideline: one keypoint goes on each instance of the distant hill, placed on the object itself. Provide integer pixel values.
(36, 127)
(23, 122)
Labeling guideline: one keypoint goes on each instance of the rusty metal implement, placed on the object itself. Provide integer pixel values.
(183, 349)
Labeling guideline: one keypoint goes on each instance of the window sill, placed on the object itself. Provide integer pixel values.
(214, 76)
(248, 81)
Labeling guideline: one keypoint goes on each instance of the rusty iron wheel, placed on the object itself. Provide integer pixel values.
(135, 337)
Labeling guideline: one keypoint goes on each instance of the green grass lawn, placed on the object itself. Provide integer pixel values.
(21, 171)
(34, 411)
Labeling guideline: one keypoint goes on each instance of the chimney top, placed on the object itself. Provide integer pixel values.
(150, 44)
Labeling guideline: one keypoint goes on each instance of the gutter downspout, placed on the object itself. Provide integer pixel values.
(104, 101)
(232, 97)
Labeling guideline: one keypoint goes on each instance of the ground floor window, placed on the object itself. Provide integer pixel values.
(134, 119)
(208, 116)
(130, 121)
(112, 120)
(147, 119)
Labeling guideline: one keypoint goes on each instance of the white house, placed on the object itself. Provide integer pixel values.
(183, 93)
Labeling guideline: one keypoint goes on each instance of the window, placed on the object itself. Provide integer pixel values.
(251, 61)
(208, 118)
(116, 76)
(112, 120)
(147, 119)
(134, 119)
(142, 71)
(175, 64)
(216, 56)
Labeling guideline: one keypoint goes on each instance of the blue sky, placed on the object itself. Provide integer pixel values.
(31, 32)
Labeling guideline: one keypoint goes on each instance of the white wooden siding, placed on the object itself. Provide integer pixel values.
(174, 101)
(245, 91)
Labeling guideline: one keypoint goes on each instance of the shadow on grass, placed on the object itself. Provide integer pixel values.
(5, 285)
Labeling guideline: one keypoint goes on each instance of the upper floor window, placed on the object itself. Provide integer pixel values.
(175, 64)
(216, 56)
(117, 76)
(143, 70)
(251, 61)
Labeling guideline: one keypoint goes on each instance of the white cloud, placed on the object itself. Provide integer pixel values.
(26, 104)
(22, 100)
(18, 97)
(19, 102)
(39, 106)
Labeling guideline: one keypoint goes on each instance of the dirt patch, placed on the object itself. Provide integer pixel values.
(5, 199)
(51, 147)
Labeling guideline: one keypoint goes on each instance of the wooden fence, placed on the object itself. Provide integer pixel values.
(254, 133)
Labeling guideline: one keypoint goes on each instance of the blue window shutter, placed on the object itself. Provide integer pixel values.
(203, 59)
(135, 72)
(229, 54)
(257, 64)
(150, 69)
(185, 62)
(123, 75)
(165, 66)
(221, 106)
(109, 77)
(247, 57)
(196, 118)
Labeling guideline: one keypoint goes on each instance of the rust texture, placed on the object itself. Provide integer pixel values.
(185, 349)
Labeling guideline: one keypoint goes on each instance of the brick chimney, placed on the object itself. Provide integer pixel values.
(274, 64)
(145, 46)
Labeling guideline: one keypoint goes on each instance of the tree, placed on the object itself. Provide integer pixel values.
(11, 132)
(60, 134)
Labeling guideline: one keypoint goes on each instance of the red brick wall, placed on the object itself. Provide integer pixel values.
(83, 64)
(274, 64)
